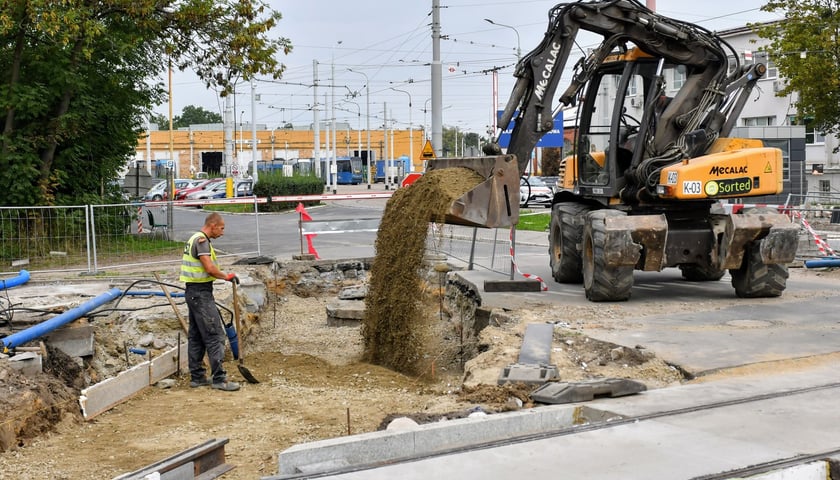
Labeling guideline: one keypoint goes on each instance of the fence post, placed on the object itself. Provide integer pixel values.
(472, 249)
(257, 219)
(90, 231)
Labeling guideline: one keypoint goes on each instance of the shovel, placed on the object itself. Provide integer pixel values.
(242, 369)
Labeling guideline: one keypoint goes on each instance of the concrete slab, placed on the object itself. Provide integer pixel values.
(738, 334)
(74, 340)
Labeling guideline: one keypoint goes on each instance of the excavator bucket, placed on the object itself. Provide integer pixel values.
(492, 203)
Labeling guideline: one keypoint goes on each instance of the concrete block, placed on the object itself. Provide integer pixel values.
(569, 392)
(27, 363)
(75, 341)
(512, 286)
(345, 312)
(431, 438)
(529, 374)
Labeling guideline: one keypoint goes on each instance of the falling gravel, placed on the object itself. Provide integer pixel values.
(393, 319)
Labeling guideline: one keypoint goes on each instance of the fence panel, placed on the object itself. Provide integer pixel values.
(487, 248)
(44, 238)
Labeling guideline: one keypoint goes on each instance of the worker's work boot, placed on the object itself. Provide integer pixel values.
(199, 383)
(226, 386)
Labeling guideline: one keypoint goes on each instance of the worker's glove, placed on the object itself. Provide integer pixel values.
(231, 277)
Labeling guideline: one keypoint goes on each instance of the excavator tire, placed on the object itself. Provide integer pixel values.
(700, 273)
(601, 282)
(755, 279)
(565, 236)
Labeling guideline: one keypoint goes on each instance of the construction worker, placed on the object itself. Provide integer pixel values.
(206, 332)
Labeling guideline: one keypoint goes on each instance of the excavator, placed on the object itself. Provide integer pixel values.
(652, 158)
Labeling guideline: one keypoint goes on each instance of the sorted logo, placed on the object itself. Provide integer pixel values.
(735, 186)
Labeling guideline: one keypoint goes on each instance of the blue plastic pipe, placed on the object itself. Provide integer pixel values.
(823, 262)
(22, 277)
(19, 338)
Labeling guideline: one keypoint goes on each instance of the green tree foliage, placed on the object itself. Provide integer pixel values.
(75, 84)
(191, 115)
(806, 50)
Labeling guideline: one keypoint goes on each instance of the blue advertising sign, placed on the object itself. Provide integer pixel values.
(554, 138)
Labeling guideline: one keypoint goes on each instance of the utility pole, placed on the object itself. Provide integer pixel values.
(437, 82)
(254, 130)
(316, 151)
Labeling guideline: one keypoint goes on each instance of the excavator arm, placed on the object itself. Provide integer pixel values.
(618, 22)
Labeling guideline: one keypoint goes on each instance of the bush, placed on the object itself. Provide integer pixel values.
(274, 184)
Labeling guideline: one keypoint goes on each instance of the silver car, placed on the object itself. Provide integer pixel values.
(534, 190)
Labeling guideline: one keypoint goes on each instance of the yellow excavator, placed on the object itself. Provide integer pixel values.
(642, 190)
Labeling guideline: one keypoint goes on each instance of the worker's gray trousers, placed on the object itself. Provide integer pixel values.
(206, 335)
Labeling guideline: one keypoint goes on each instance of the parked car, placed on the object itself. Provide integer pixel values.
(534, 190)
(182, 193)
(243, 188)
(158, 191)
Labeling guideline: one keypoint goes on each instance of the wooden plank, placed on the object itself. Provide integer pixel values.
(104, 395)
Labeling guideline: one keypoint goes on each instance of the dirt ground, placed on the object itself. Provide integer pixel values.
(312, 386)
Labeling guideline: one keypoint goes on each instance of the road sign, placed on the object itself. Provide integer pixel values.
(554, 138)
(428, 151)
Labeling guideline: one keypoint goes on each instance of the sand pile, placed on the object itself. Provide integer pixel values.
(394, 320)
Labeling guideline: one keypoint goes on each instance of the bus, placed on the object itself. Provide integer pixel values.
(349, 170)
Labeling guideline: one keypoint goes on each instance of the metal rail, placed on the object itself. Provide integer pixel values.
(205, 461)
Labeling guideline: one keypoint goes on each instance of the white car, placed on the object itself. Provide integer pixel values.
(534, 190)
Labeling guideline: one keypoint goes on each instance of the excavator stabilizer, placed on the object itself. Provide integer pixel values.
(494, 202)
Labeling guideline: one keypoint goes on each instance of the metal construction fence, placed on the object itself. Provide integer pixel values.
(88, 238)
(94, 238)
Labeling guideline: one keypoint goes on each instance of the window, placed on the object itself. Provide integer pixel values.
(784, 146)
(631, 88)
(759, 121)
(825, 186)
(679, 77)
(812, 135)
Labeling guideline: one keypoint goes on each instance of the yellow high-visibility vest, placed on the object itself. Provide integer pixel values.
(192, 271)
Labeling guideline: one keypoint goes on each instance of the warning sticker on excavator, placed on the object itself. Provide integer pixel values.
(768, 168)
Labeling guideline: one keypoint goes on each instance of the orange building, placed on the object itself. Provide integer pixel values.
(203, 149)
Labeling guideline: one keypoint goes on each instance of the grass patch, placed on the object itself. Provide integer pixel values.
(536, 222)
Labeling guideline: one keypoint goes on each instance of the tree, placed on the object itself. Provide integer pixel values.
(806, 50)
(75, 87)
(191, 115)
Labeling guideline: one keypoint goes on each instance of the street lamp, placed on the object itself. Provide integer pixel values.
(518, 49)
(410, 130)
(367, 114)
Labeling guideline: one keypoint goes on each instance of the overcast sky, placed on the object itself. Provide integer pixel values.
(391, 43)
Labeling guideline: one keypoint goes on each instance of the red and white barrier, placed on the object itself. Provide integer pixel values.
(543, 286)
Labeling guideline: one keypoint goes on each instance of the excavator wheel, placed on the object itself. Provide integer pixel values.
(565, 235)
(602, 283)
(699, 273)
(755, 279)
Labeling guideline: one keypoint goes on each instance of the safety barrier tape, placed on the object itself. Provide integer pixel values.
(543, 286)
(823, 246)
